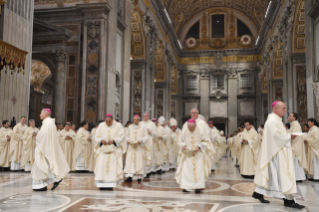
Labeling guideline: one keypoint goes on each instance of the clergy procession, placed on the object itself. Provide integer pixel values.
(275, 156)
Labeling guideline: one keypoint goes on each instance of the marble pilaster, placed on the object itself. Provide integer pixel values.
(59, 92)
(204, 93)
(232, 100)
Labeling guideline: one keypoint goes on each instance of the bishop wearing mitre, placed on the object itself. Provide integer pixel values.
(82, 148)
(50, 165)
(194, 160)
(275, 173)
(298, 148)
(5, 138)
(166, 144)
(312, 139)
(136, 138)
(249, 150)
(174, 140)
(67, 139)
(149, 149)
(29, 143)
(109, 144)
(16, 144)
(160, 150)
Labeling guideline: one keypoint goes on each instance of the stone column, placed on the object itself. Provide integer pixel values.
(35, 106)
(204, 93)
(232, 100)
(59, 90)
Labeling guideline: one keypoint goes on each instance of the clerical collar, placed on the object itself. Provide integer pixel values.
(312, 126)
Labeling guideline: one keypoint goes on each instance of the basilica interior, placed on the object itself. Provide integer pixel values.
(85, 58)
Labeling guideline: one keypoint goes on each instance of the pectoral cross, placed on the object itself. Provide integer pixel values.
(108, 135)
(192, 141)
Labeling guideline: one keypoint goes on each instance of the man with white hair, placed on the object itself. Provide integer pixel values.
(29, 142)
(67, 139)
(194, 158)
(50, 165)
(167, 144)
(275, 173)
(16, 144)
(137, 138)
(149, 150)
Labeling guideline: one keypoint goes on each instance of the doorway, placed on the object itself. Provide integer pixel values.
(220, 127)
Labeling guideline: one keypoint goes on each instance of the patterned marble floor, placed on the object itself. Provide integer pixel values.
(225, 191)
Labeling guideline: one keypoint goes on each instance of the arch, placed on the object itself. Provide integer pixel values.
(47, 61)
(298, 32)
(137, 34)
(231, 39)
(40, 74)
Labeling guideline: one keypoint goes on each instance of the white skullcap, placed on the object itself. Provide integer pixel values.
(173, 122)
(161, 120)
(201, 117)
(222, 132)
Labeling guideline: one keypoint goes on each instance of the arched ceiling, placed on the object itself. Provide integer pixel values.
(40, 72)
(181, 11)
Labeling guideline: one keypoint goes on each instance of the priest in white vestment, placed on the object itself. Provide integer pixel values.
(50, 165)
(149, 154)
(214, 136)
(92, 161)
(194, 158)
(109, 144)
(137, 139)
(67, 140)
(167, 144)
(249, 150)
(174, 140)
(29, 143)
(298, 148)
(5, 137)
(203, 127)
(82, 149)
(312, 139)
(275, 173)
(160, 150)
(16, 144)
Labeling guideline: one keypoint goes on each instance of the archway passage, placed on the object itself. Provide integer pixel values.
(41, 89)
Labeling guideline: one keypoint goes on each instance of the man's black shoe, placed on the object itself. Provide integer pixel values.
(159, 171)
(139, 180)
(212, 170)
(129, 179)
(147, 176)
(259, 197)
(197, 191)
(56, 185)
(41, 189)
(298, 181)
(184, 190)
(292, 204)
(310, 179)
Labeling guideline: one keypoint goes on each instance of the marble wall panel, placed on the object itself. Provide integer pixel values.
(160, 93)
(92, 71)
(302, 94)
(189, 106)
(218, 109)
(246, 108)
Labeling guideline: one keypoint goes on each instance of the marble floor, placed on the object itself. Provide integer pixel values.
(226, 191)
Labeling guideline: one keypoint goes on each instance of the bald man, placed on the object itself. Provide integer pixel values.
(275, 173)
(50, 165)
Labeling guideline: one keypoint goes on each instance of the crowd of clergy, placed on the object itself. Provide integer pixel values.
(276, 156)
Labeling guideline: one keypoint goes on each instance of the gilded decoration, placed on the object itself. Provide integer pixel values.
(12, 57)
(299, 28)
(278, 63)
(2, 2)
(159, 102)
(254, 9)
(174, 80)
(61, 3)
(160, 65)
(230, 41)
(137, 33)
(40, 72)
